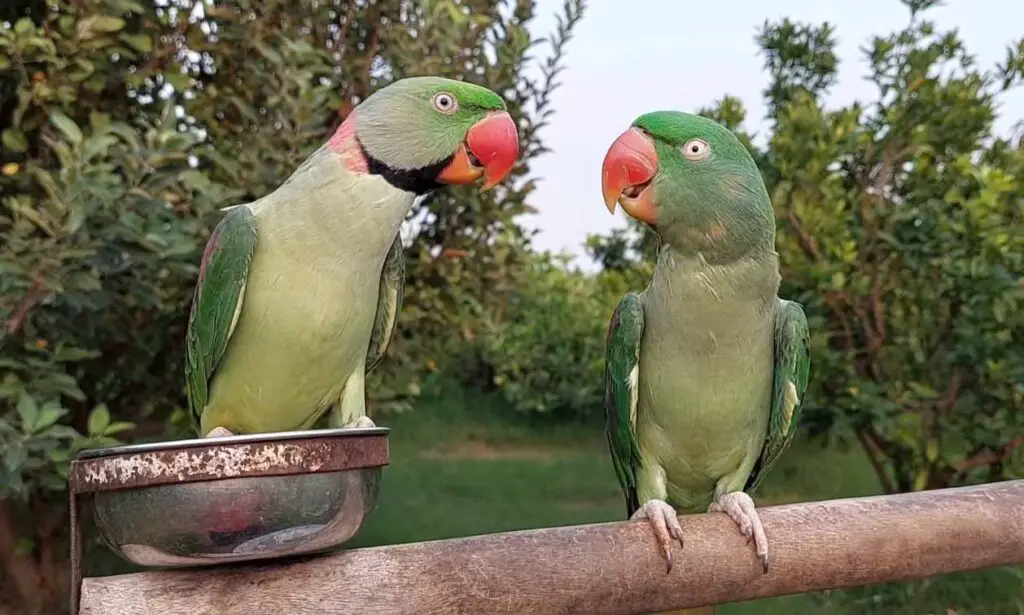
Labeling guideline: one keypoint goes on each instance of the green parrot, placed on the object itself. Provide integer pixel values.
(299, 291)
(705, 370)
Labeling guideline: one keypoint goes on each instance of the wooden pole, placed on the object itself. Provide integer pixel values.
(608, 568)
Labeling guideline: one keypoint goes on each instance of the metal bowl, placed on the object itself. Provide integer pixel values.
(218, 500)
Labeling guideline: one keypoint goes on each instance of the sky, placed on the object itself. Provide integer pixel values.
(628, 58)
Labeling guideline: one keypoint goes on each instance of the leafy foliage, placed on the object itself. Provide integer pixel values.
(630, 251)
(903, 233)
(125, 125)
(548, 357)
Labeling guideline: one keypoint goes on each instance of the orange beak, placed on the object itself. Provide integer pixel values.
(629, 166)
(490, 151)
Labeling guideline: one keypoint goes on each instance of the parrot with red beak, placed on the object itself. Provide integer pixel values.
(706, 369)
(299, 291)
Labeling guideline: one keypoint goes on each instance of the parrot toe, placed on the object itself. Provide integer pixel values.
(218, 432)
(363, 422)
(665, 523)
(740, 508)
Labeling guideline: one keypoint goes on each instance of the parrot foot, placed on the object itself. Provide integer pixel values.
(363, 422)
(666, 526)
(218, 432)
(740, 507)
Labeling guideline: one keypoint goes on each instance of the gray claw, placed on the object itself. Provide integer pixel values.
(665, 523)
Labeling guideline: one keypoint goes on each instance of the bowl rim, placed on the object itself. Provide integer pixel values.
(273, 436)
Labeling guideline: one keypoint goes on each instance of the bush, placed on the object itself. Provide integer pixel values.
(902, 232)
(549, 356)
(100, 231)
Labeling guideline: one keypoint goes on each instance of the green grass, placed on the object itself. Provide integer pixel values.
(464, 467)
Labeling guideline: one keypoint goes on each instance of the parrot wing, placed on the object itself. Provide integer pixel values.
(217, 302)
(622, 360)
(792, 369)
(389, 302)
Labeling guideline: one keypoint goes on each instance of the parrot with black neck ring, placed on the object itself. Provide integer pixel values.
(299, 291)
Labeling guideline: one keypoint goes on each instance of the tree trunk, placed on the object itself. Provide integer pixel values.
(32, 582)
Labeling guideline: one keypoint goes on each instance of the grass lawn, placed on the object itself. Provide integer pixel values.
(460, 468)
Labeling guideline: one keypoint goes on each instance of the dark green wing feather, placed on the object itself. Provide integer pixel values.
(217, 301)
(389, 303)
(792, 369)
(621, 367)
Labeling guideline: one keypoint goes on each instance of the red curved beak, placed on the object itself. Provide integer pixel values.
(629, 166)
(490, 151)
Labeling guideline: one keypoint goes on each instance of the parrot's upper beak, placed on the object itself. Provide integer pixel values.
(627, 172)
(490, 151)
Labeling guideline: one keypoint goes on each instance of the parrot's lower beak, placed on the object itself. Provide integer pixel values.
(490, 151)
(629, 167)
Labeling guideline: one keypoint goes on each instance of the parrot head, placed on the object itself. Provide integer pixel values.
(690, 180)
(422, 132)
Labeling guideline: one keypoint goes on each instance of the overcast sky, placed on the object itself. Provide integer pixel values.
(628, 58)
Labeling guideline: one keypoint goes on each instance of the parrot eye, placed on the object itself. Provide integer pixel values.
(696, 149)
(445, 103)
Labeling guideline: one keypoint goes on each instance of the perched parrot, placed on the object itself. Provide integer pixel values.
(299, 291)
(705, 370)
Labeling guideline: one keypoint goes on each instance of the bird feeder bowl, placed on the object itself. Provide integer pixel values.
(210, 501)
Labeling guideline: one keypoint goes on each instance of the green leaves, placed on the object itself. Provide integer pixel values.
(99, 420)
(67, 126)
(24, 26)
(901, 227)
(35, 419)
(27, 410)
(14, 141)
(549, 356)
(139, 42)
(799, 58)
(98, 24)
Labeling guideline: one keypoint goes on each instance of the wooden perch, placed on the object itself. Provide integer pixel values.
(608, 568)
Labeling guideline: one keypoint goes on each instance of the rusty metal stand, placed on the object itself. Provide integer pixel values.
(76, 550)
(211, 459)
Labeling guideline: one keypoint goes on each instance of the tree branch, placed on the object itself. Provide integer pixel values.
(990, 457)
(874, 453)
(24, 308)
(607, 568)
(807, 243)
(20, 569)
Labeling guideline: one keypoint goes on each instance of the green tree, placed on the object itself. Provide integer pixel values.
(903, 234)
(125, 125)
(547, 354)
(630, 251)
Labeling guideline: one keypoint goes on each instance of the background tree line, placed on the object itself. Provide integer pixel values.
(126, 124)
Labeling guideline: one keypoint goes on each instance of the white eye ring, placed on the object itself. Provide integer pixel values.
(696, 149)
(446, 103)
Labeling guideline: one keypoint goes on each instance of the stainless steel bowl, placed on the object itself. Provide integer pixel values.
(240, 498)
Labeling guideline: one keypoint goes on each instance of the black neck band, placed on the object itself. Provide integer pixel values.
(417, 181)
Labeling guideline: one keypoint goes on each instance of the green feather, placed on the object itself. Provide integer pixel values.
(791, 373)
(217, 301)
(622, 357)
(389, 303)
